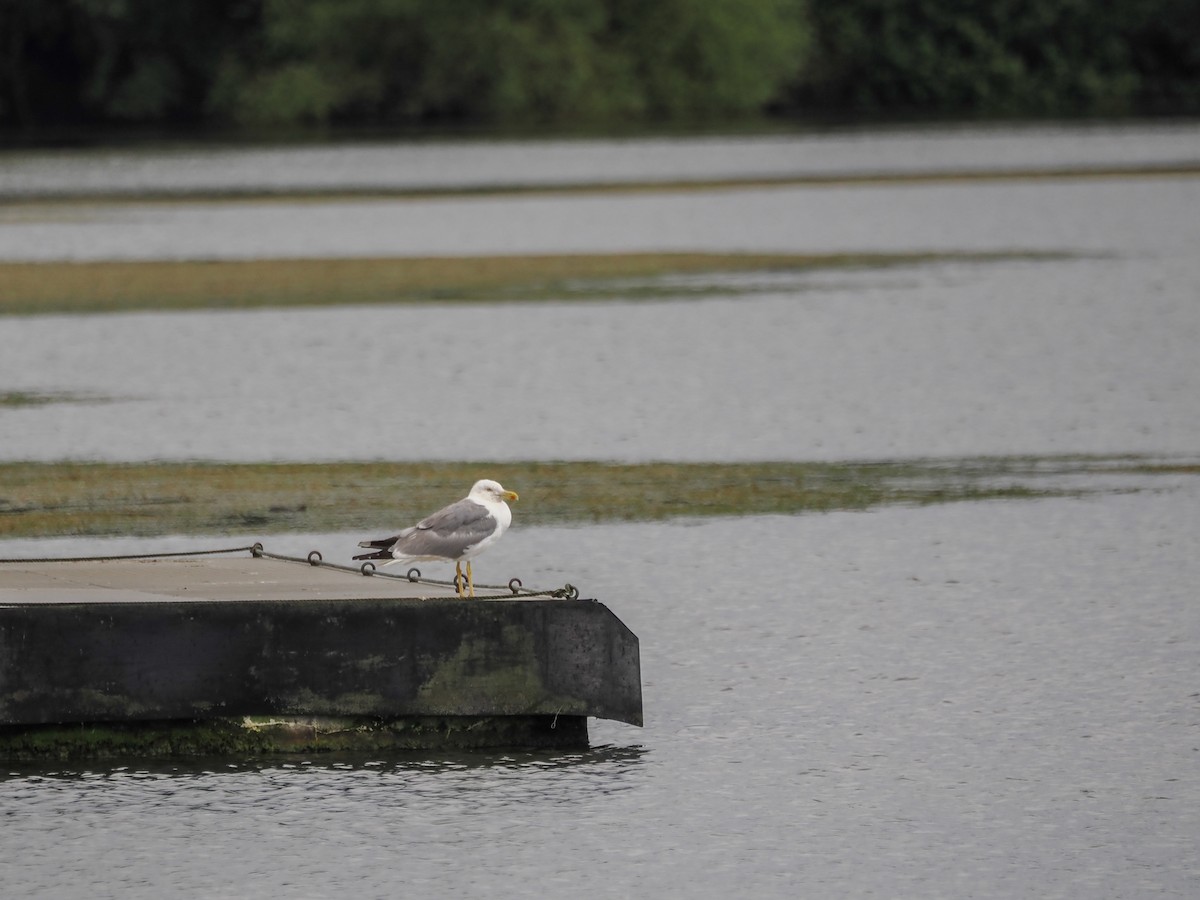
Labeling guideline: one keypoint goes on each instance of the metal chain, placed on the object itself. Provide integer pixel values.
(413, 576)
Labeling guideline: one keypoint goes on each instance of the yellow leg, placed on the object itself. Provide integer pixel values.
(458, 580)
(470, 580)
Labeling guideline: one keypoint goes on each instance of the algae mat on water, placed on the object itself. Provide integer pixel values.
(44, 499)
(33, 288)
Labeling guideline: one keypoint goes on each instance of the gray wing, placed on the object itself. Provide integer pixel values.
(446, 533)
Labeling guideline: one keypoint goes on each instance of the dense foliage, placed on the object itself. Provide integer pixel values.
(578, 62)
(1006, 57)
(511, 60)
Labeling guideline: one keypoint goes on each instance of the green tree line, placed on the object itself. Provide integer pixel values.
(386, 63)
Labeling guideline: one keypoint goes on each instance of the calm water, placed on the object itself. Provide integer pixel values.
(1131, 217)
(393, 165)
(984, 700)
(1094, 353)
(1095, 356)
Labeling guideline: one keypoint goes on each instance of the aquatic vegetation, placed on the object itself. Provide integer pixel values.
(80, 498)
(13, 399)
(41, 288)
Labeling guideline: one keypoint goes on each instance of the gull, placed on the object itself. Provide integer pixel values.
(455, 533)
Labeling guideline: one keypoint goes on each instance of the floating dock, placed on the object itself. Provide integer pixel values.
(206, 654)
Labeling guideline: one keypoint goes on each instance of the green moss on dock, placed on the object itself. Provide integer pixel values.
(116, 739)
(498, 674)
(269, 735)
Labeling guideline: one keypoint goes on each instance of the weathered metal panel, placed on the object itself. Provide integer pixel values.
(163, 658)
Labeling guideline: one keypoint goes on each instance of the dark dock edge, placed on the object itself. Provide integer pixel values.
(189, 658)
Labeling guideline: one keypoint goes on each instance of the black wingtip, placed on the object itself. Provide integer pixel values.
(379, 543)
(379, 554)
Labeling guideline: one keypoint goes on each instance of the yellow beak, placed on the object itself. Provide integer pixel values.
(510, 496)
